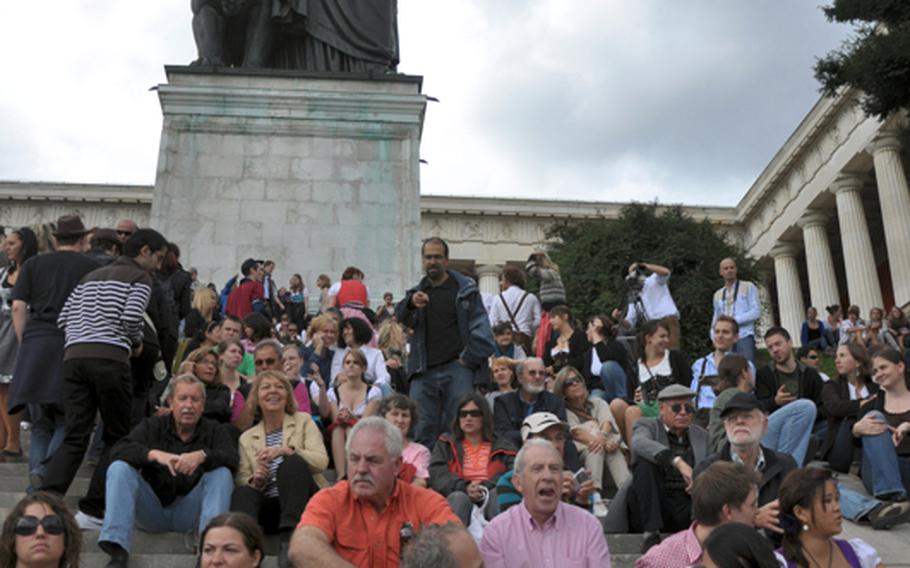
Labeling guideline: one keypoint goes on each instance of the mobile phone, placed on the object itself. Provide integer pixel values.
(581, 476)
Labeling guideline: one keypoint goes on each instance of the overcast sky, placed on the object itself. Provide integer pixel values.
(605, 99)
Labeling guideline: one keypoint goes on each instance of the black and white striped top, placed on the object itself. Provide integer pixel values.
(273, 440)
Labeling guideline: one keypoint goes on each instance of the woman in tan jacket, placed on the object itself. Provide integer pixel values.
(282, 459)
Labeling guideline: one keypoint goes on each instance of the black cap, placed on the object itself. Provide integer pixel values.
(740, 401)
(247, 266)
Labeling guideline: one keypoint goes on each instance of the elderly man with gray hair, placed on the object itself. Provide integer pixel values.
(510, 409)
(442, 546)
(173, 472)
(367, 520)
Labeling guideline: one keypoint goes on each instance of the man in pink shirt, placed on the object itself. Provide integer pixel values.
(725, 492)
(542, 531)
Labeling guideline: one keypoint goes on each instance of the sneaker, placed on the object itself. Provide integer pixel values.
(88, 522)
(600, 509)
(890, 514)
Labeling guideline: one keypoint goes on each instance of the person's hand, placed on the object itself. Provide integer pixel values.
(685, 470)
(767, 517)
(166, 459)
(611, 446)
(260, 475)
(898, 436)
(268, 455)
(568, 484)
(866, 401)
(188, 463)
(393, 363)
(187, 367)
(584, 492)
(617, 314)
(136, 351)
(475, 491)
(637, 398)
(420, 300)
(344, 414)
(870, 425)
(596, 445)
(317, 347)
(162, 411)
(783, 396)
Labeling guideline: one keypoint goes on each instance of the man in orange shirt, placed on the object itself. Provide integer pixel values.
(367, 520)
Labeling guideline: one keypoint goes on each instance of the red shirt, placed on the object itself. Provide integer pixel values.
(240, 301)
(352, 291)
(365, 537)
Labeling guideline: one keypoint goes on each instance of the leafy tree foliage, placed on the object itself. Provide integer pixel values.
(876, 60)
(594, 258)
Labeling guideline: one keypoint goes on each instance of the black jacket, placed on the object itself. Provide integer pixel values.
(578, 347)
(611, 351)
(810, 387)
(160, 433)
(777, 466)
(509, 411)
(838, 406)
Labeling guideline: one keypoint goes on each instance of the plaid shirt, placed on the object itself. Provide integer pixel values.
(680, 550)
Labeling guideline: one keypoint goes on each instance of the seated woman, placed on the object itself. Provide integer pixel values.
(356, 334)
(351, 399)
(843, 398)
(852, 328)
(233, 536)
(873, 336)
(40, 532)
(465, 465)
(810, 515)
(658, 368)
(208, 338)
(393, 343)
(204, 310)
(606, 366)
(230, 357)
(415, 458)
(503, 371)
(256, 327)
(883, 427)
(296, 300)
(814, 333)
(503, 344)
(593, 428)
(291, 363)
(568, 344)
(738, 544)
(282, 459)
(203, 364)
(319, 351)
(897, 329)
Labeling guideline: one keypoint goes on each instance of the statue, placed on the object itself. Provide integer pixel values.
(308, 35)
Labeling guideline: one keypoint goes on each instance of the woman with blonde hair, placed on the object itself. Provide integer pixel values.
(502, 370)
(203, 310)
(323, 282)
(393, 342)
(203, 364)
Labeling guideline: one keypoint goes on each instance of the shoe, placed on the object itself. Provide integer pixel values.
(36, 481)
(600, 509)
(119, 557)
(890, 514)
(284, 546)
(9, 454)
(87, 522)
(651, 539)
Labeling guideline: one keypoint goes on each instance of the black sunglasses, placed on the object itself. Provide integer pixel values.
(471, 413)
(677, 408)
(262, 362)
(28, 525)
(125, 233)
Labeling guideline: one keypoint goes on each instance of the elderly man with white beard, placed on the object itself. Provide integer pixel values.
(511, 409)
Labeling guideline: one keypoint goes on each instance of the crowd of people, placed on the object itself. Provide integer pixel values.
(452, 428)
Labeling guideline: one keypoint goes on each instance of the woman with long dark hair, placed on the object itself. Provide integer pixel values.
(843, 398)
(568, 345)
(296, 302)
(607, 364)
(357, 334)
(232, 539)
(40, 532)
(19, 246)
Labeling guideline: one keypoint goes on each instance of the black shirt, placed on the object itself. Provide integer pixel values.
(679, 448)
(443, 338)
(45, 281)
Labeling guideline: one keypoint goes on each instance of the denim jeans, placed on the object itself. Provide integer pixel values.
(746, 347)
(46, 433)
(884, 472)
(789, 429)
(613, 378)
(436, 392)
(853, 504)
(132, 501)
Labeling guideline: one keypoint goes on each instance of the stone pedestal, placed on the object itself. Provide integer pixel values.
(314, 171)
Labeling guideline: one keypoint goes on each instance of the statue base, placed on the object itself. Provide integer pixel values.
(316, 171)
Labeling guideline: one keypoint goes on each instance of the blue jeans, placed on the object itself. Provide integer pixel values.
(46, 436)
(884, 472)
(789, 429)
(613, 378)
(746, 347)
(853, 504)
(132, 501)
(436, 392)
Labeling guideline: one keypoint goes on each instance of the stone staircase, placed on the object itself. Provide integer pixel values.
(172, 550)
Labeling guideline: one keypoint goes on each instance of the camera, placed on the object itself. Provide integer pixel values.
(636, 279)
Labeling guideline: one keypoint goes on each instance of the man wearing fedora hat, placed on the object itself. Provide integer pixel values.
(45, 281)
(665, 450)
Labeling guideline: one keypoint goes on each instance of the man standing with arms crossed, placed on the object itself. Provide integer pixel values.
(739, 300)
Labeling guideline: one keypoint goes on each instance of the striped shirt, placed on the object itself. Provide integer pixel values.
(273, 440)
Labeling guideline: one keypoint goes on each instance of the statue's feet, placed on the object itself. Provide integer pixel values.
(208, 62)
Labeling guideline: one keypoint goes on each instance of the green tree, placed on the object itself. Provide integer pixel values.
(876, 60)
(594, 258)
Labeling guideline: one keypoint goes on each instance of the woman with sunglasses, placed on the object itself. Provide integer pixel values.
(465, 465)
(203, 364)
(593, 428)
(40, 532)
(232, 540)
(843, 398)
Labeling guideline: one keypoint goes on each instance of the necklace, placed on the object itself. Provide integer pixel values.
(830, 555)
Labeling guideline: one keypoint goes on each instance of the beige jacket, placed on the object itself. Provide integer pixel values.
(299, 433)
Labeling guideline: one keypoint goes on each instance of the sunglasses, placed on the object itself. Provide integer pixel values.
(471, 413)
(28, 525)
(263, 362)
(124, 233)
(677, 408)
(572, 381)
(813, 357)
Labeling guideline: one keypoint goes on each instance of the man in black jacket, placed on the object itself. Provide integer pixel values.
(511, 409)
(171, 473)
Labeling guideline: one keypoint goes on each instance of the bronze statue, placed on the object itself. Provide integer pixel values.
(310, 35)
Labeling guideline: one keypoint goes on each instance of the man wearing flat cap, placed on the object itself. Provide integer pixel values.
(665, 450)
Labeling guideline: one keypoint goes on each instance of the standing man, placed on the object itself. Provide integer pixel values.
(244, 297)
(517, 307)
(739, 300)
(451, 342)
(725, 336)
(650, 299)
(103, 321)
(269, 292)
(45, 281)
(125, 229)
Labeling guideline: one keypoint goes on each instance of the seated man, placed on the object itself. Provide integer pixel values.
(725, 337)
(547, 426)
(362, 522)
(442, 546)
(171, 473)
(665, 449)
(542, 530)
(724, 493)
(510, 409)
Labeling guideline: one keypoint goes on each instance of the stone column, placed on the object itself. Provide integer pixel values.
(488, 278)
(862, 277)
(789, 292)
(895, 199)
(767, 314)
(822, 280)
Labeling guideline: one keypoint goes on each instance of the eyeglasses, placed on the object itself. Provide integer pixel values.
(813, 356)
(572, 381)
(28, 525)
(124, 233)
(471, 413)
(677, 408)
(541, 373)
(265, 362)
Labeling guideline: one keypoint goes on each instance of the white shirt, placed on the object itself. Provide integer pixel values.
(376, 372)
(527, 315)
(656, 298)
